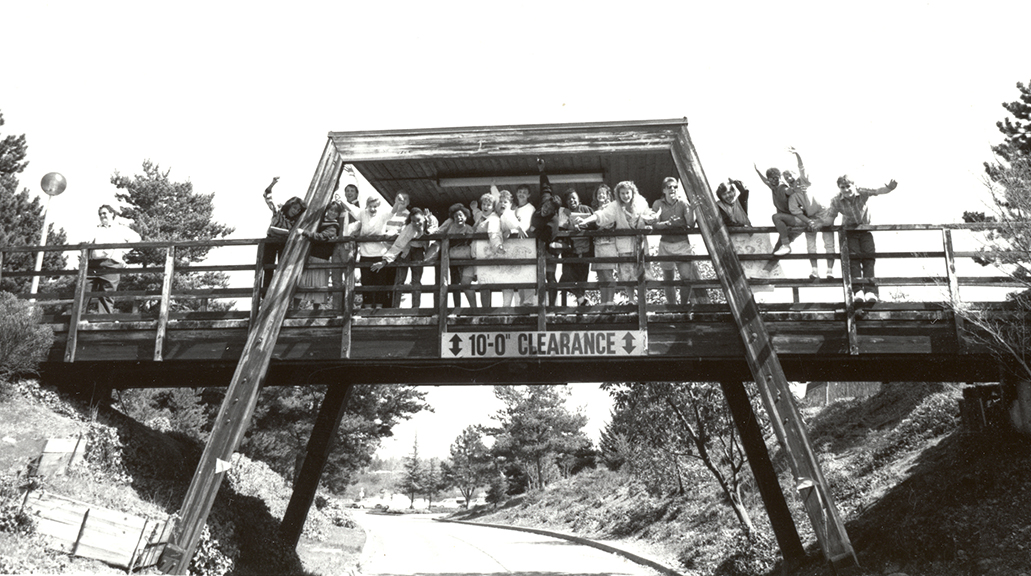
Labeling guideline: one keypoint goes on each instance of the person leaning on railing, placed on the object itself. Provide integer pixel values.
(674, 217)
(403, 247)
(321, 253)
(850, 202)
(372, 221)
(283, 221)
(104, 263)
(629, 211)
(460, 249)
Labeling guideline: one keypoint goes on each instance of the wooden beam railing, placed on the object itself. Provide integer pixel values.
(65, 304)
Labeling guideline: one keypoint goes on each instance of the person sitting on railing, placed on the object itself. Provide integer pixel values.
(460, 249)
(402, 249)
(104, 263)
(779, 189)
(321, 253)
(284, 219)
(804, 212)
(851, 202)
(628, 211)
(675, 216)
(372, 222)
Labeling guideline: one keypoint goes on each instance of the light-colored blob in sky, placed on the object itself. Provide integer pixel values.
(228, 95)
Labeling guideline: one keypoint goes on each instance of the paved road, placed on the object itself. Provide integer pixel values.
(415, 545)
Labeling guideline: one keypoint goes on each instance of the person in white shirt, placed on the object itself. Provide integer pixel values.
(372, 221)
(524, 215)
(104, 263)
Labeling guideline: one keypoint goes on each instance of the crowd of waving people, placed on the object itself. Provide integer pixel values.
(515, 228)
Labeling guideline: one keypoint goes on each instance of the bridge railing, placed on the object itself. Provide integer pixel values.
(924, 263)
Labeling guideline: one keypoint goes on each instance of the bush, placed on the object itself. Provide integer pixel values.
(934, 416)
(24, 342)
(12, 518)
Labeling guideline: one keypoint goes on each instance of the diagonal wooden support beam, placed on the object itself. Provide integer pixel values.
(763, 360)
(234, 416)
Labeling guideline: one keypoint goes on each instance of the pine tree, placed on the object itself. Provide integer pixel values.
(21, 219)
(164, 210)
(535, 427)
(413, 479)
(1018, 132)
(469, 465)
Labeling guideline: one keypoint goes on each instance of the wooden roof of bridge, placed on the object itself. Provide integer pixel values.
(414, 161)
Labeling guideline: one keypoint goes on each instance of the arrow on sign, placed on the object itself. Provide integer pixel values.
(456, 344)
(629, 343)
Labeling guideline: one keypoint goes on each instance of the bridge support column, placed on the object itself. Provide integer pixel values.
(765, 475)
(763, 361)
(319, 445)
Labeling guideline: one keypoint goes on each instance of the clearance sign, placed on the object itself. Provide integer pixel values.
(544, 344)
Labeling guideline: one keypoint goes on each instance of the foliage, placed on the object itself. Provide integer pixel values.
(208, 560)
(497, 489)
(414, 479)
(24, 342)
(165, 210)
(21, 218)
(13, 519)
(535, 427)
(179, 410)
(656, 426)
(436, 482)
(469, 465)
(1017, 134)
(285, 415)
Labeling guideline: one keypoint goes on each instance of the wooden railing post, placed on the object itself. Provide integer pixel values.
(542, 290)
(442, 287)
(850, 302)
(345, 332)
(166, 304)
(763, 361)
(78, 303)
(950, 272)
(641, 288)
(259, 279)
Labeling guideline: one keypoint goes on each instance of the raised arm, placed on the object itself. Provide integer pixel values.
(268, 195)
(801, 167)
(761, 175)
(882, 190)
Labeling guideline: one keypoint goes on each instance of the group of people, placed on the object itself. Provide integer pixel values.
(795, 208)
(513, 226)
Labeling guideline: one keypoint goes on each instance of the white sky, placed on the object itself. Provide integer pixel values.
(230, 94)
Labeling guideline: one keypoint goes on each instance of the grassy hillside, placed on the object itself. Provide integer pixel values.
(918, 496)
(135, 469)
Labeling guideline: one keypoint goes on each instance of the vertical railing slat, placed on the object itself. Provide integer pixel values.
(542, 292)
(259, 278)
(77, 308)
(850, 304)
(950, 271)
(345, 331)
(442, 287)
(166, 304)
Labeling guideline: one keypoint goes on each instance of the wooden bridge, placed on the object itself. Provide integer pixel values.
(800, 330)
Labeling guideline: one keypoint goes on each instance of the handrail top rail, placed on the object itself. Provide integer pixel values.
(215, 243)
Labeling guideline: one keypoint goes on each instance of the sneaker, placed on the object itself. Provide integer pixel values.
(860, 297)
(830, 275)
(871, 297)
(782, 250)
(814, 275)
